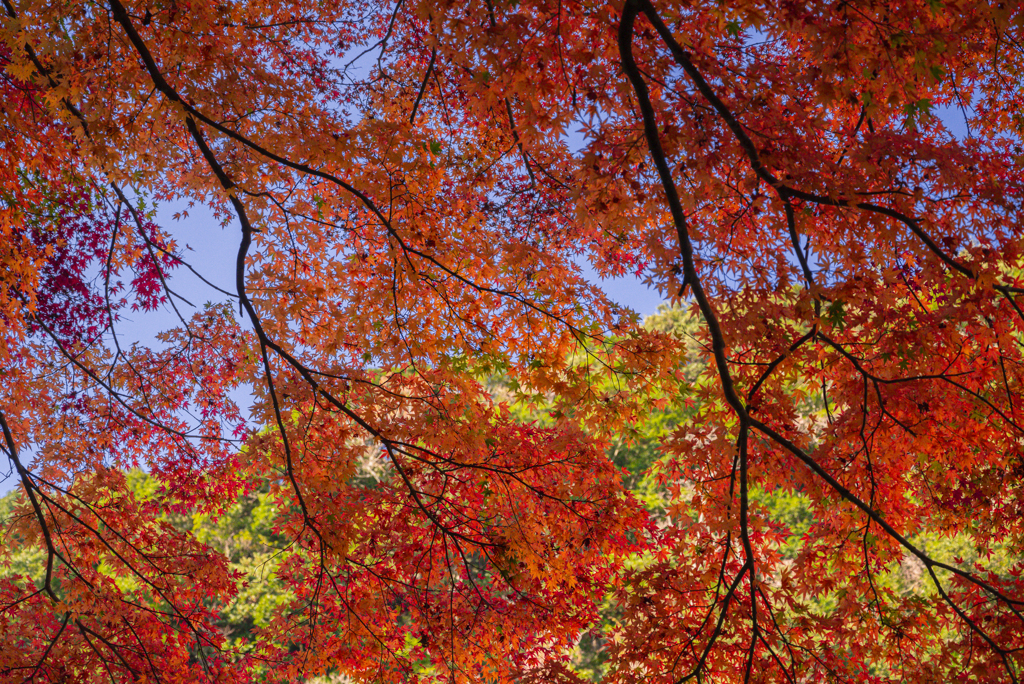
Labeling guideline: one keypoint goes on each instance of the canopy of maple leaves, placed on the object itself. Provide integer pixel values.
(414, 185)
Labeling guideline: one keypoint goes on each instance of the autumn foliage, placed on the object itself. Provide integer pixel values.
(465, 462)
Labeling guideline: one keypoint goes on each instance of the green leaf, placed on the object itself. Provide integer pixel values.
(836, 314)
(915, 110)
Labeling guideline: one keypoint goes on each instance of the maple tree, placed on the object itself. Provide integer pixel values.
(442, 403)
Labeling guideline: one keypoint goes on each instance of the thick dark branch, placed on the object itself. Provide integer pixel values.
(692, 278)
(629, 66)
(423, 86)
